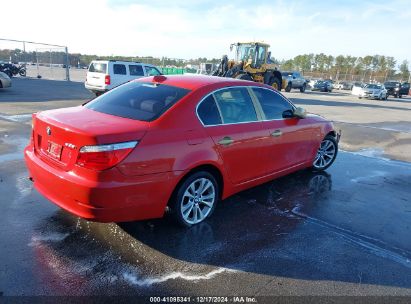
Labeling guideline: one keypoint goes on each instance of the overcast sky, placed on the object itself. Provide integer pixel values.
(204, 28)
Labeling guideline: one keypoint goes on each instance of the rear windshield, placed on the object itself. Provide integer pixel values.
(97, 67)
(392, 84)
(137, 100)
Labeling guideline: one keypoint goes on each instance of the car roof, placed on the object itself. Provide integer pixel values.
(193, 82)
(119, 61)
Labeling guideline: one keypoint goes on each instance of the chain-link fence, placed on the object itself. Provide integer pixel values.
(39, 60)
(367, 77)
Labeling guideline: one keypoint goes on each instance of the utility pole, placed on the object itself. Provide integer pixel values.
(67, 65)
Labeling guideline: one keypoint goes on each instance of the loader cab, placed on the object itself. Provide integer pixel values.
(253, 54)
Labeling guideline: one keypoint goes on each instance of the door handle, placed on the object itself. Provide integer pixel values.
(277, 133)
(226, 141)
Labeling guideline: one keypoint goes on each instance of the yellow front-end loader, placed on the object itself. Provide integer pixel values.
(252, 62)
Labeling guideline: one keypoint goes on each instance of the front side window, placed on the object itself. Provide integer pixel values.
(235, 105)
(152, 71)
(119, 69)
(136, 70)
(272, 104)
(261, 56)
(137, 100)
(208, 112)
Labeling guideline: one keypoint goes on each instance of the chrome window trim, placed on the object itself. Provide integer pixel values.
(258, 109)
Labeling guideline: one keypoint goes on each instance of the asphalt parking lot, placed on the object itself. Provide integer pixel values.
(343, 232)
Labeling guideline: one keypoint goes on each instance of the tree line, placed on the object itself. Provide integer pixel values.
(368, 66)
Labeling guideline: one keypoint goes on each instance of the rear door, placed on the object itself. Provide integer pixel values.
(96, 74)
(289, 140)
(231, 121)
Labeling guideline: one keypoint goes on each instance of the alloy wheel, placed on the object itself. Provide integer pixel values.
(325, 154)
(198, 200)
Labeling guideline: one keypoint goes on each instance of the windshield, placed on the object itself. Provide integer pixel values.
(373, 86)
(137, 100)
(289, 74)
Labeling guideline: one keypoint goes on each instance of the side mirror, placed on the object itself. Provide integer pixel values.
(300, 112)
(288, 114)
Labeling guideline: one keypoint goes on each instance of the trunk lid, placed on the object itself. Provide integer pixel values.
(59, 134)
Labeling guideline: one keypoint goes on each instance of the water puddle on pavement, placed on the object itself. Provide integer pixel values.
(18, 143)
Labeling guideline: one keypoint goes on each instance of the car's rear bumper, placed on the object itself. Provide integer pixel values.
(95, 88)
(133, 198)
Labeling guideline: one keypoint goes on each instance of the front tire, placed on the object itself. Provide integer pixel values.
(288, 87)
(302, 89)
(195, 199)
(275, 83)
(326, 154)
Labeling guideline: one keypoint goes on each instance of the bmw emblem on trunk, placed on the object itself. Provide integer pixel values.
(48, 130)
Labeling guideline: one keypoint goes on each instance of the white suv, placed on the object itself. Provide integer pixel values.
(103, 75)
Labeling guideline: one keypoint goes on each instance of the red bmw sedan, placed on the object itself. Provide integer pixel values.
(177, 142)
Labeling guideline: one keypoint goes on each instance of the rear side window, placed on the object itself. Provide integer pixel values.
(137, 100)
(208, 112)
(136, 70)
(272, 104)
(96, 67)
(235, 105)
(119, 69)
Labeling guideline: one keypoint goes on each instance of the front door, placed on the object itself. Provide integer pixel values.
(236, 132)
(289, 140)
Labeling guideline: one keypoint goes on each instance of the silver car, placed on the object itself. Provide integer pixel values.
(373, 91)
(5, 81)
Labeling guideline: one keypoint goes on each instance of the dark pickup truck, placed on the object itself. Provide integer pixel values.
(396, 88)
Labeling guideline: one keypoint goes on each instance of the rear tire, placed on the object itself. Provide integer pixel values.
(195, 199)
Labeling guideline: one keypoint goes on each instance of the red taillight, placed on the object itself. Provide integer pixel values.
(107, 80)
(104, 156)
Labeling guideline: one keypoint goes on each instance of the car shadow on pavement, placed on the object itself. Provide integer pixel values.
(380, 104)
(333, 93)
